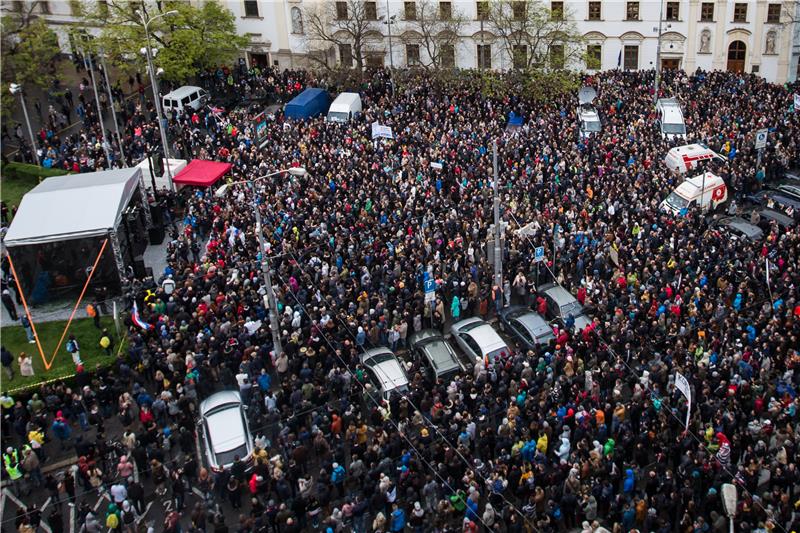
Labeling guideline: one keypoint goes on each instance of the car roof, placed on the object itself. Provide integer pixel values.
(586, 95)
(482, 333)
(588, 113)
(777, 216)
(558, 293)
(220, 398)
(389, 372)
(437, 351)
(180, 92)
(740, 224)
(226, 430)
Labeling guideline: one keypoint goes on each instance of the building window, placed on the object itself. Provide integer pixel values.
(518, 10)
(740, 12)
(412, 55)
(632, 12)
(44, 7)
(593, 57)
(375, 61)
(556, 10)
(447, 56)
(370, 11)
(557, 56)
(774, 13)
(631, 59)
(250, 8)
(483, 10)
(484, 56)
(707, 12)
(520, 56)
(341, 10)
(410, 9)
(594, 10)
(297, 21)
(346, 55)
(445, 10)
(673, 10)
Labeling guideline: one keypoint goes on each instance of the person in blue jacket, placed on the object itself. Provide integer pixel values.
(398, 522)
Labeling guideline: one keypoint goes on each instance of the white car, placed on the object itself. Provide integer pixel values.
(479, 340)
(670, 119)
(385, 372)
(588, 117)
(224, 429)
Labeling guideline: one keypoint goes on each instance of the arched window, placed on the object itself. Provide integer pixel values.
(297, 20)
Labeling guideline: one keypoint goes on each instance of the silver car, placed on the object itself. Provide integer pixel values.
(479, 340)
(561, 304)
(224, 429)
(385, 371)
(440, 357)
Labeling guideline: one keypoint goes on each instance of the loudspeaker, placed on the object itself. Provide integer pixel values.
(139, 270)
(156, 234)
(157, 214)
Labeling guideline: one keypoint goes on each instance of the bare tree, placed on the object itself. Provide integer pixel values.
(434, 31)
(344, 25)
(535, 36)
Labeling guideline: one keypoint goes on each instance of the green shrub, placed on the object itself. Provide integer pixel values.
(25, 170)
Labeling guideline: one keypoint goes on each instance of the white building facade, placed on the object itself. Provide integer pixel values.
(754, 36)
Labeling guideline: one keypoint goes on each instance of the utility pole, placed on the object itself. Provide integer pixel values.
(389, 22)
(113, 112)
(16, 88)
(658, 52)
(498, 254)
(87, 60)
(271, 302)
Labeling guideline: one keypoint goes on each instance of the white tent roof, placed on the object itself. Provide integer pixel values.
(72, 207)
(176, 165)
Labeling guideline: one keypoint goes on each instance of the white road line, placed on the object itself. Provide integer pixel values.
(72, 519)
(45, 527)
(105, 497)
(146, 510)
(199, 493)
(14, 499)
(46, 503)
(135, 472)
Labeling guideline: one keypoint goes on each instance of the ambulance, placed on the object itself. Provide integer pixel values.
(706, 191)
(682, 159)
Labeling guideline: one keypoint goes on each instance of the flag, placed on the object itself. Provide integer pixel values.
(619, 59)
(766, 264)
(137, 320)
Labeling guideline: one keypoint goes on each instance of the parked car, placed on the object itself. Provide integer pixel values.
(789, 188)
(385, 372)
(479, 340)
(224, 429)
(670, 119)
(439, 356)
(737, 228)
(772, 215)
(588, 117)
(561, 305)
(767, 196)
(528, 328)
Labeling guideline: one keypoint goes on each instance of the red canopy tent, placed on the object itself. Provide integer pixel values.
(201, 173)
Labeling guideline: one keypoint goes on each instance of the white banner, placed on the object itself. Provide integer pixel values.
(379, 130)
(796, 103)
(682, 384)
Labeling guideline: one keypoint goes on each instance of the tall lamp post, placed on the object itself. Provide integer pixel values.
(389, 22)
(113, 111)
(16, 88)
(271, 302)
(147, 51)
(88, 63)
(658, 52)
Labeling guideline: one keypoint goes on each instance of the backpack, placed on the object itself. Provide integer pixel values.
(112, 521)
(71, 346)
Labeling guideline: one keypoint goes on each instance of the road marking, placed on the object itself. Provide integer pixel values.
(105, 497)
(199, 493)
(146, 510)
(45, 527)
(14, 499)
(136, 467)
(46, 503)
(72, 518)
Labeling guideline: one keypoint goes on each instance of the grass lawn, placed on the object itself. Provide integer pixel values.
(12, 190)
(49, 333)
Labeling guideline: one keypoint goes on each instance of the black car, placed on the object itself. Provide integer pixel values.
(529, 329)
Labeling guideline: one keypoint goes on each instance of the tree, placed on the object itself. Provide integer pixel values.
(535, 37)
(30, 50)
(343, 25)
(189, 41)
(435, 32)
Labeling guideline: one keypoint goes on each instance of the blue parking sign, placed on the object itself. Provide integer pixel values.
(538, 254)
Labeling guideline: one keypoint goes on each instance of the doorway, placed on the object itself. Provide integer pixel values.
(737, 52)
(670, 63)
(258, 60)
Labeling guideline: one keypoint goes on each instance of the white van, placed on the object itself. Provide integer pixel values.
(706, 191)
(670, 119)
(344, 108)
(184, 97)
(682, 159)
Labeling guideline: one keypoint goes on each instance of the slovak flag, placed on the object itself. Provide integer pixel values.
(138, 320)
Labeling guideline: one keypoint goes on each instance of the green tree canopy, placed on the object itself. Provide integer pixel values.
(194, 38)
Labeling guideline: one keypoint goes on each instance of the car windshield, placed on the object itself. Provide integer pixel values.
(227, 457)
(572, 308)
(338, 116)
(380, 358)
(592, 126)
(673, 128)
(677, 201)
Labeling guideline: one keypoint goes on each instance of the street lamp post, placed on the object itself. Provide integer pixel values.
(17, 89)
(498, 253)
(113, 111)
(658, 52)
(271, 301)
(88, 63)
(389, 22)
(154, 82)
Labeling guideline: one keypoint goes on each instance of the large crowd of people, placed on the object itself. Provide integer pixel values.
(585, 433)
